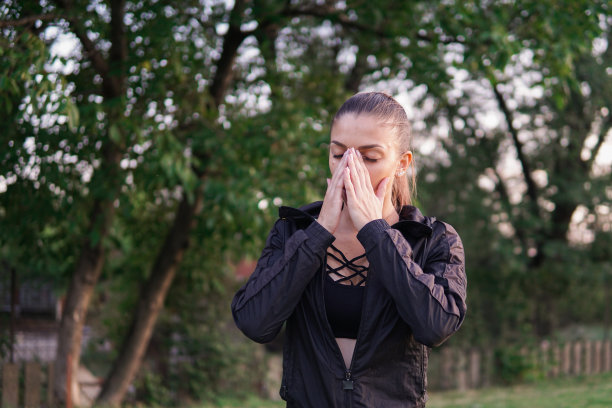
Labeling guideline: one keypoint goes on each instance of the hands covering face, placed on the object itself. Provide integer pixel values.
(363, 203)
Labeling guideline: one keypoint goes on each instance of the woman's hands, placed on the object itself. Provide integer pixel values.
(363, 203)
(329, 217)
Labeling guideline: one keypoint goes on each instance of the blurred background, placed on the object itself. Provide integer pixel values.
(145, 147)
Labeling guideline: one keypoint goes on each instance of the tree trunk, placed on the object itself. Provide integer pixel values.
(153, 293)
(70, 333)
(106, 180)
(150, 304)
(88, 269)
(607, 299)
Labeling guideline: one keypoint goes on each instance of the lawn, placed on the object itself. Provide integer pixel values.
(581, 392)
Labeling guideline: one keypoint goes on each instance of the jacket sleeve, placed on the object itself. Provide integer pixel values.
(283, 271)
(431, 300)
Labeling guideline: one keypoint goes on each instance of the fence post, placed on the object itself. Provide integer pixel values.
(10, 385)
(461, 371)
(607, 356)
(544, 360)
(32, 385)
(588, 357)
(50, 383)
(69, 380)
(13, 321)
(446, 368)
(598, 357)
(577, 358)
(489, 367)
(475, 368)
(433, 370)
(556, 361)
(567, 358)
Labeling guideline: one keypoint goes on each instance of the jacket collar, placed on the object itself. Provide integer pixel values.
(412, 221)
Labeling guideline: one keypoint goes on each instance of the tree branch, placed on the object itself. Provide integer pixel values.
(532, 190)
(340, 17)
(27, 20)
(603, 132)
(113, 84)
(502, 190)
(231, 41)
(353, 80)
(334, 15)
(504, 196)
(94, 54)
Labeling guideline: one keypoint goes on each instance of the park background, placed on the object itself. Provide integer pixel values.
(145, 147)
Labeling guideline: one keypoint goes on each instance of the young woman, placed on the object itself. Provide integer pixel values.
(365, 283)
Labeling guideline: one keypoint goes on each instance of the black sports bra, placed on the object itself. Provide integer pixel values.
(343, 302)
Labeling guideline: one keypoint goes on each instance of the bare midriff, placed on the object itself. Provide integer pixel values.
(347, 347)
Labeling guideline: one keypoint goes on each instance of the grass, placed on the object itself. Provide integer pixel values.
(251, 402)
(580, 392)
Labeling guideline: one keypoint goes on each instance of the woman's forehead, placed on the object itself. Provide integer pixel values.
(362, 131)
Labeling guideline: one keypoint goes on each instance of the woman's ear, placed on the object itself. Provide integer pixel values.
(404, 163)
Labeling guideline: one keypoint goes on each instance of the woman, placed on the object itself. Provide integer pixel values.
(365, 283)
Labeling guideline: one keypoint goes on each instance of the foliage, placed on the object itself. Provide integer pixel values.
(152, 391)
(524, 260)
(208, 357)
(514, 365)
(257, 137)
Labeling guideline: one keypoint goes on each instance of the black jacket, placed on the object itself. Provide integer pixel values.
(414, 299)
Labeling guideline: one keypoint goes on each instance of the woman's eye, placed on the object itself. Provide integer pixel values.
(365, 158)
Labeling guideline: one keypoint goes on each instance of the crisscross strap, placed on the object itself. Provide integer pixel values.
(358, 270)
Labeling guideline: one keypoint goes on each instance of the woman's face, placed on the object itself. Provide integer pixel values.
(377, 144)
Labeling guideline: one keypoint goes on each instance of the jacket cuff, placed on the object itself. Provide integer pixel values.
(318, 236)
(369, 235)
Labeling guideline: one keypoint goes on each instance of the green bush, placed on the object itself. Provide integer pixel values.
(515, 364)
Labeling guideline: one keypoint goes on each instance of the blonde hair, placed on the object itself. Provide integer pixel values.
(389, 112)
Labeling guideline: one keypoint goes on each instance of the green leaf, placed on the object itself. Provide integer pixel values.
(114, 134)
(73, 115)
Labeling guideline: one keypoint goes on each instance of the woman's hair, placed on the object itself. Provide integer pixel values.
(390, 113)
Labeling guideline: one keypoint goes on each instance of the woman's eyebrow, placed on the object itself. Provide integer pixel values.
(364, 147)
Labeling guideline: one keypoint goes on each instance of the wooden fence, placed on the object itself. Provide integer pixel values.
(451, 368)
(27, 385)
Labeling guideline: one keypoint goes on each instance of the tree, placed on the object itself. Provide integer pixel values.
(178, 123)
(554, 121)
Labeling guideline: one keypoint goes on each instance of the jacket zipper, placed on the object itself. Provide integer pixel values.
(347, 383)
(348, 373)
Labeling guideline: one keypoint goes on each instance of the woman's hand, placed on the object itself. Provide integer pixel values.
(364, 204)
(329, 217)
